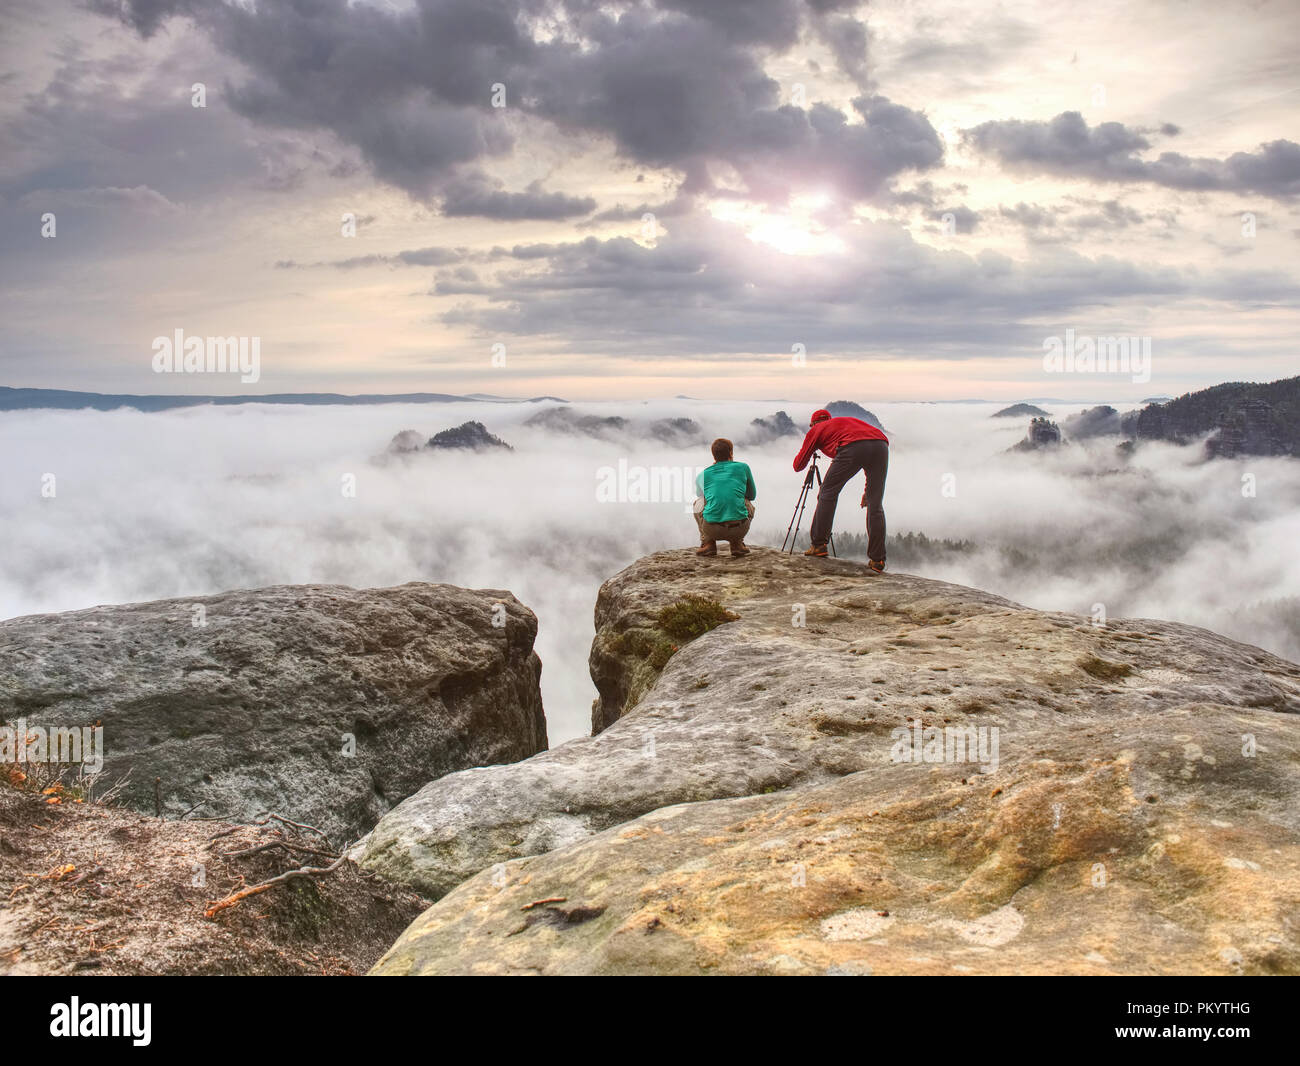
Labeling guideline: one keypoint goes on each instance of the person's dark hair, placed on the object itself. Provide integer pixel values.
(721, 449)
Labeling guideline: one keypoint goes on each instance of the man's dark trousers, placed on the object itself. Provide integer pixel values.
(873, 457)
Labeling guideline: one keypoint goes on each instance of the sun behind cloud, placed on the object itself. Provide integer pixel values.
(793, 230)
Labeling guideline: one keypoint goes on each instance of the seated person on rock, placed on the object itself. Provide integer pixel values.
(723, 510)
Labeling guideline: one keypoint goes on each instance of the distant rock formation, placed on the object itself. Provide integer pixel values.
(407, 442)
(1244, 419)
(567, 420)
(1020, 410)
(1099, 421)
(245, 702)
(763, 430)
(948, 780)
(471, 435)
(847, 408)
(1042, 433)
(1250, 428)
(679, 432)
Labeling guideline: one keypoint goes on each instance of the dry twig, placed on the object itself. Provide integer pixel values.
(262, 886)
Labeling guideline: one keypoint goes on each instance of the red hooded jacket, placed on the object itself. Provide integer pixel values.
(829, 435)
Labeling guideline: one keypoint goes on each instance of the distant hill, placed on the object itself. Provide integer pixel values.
(849, 409)
(64, 400)
(1249, 419)
(471, 435)
(1020, 410)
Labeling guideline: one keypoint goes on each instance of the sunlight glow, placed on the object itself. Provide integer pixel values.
(792, 231)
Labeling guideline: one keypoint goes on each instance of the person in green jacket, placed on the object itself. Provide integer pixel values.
(724, 509)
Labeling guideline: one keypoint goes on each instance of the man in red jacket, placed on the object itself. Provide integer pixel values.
(851, 445)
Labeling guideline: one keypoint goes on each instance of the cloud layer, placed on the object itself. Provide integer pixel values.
(194, 501)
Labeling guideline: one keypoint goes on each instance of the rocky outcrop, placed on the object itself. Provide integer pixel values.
(678, 432)
(323, 703)
(875, 774)
(566, 420)
(1042, 433)
(1241, 418)
(764, 430)
(471, 435)
(1249, 429)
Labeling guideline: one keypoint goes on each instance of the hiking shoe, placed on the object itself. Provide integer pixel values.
(876, 567)
(739, 549)
(707, 549)
(817, 551)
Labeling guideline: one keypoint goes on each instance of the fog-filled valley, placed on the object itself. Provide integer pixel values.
(118, 506)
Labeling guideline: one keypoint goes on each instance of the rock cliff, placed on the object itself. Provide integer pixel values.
(244, 702)
(874, 774)
(1243, 418)
(1042, 433)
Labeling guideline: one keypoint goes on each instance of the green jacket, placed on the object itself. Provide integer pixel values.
(726, 486)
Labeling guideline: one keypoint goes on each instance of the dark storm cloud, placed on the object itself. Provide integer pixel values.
(849, 41)
(1095, 214)
(414, 257)
(707, 289)
(1068, 147)
(680, 85)
(674, 208)
(1110, 214)
(774, 23)
(109, 123)
(481, 197)
(463, 281)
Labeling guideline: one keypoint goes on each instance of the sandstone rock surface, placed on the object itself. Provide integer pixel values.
(248, 712)
(749, 811)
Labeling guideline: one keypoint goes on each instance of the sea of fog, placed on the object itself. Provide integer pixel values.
(194, 501)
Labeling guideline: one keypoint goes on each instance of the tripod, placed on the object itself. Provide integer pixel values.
(814, 476)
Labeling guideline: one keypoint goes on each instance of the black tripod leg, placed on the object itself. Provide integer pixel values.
(830, 537)
(796, 519)
(793, 528)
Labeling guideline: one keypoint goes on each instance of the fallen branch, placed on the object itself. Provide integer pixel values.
(296, 825)
(540, 902)
(262, 886)
(277, 844)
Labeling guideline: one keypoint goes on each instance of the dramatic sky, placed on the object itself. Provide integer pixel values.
(674, 196)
